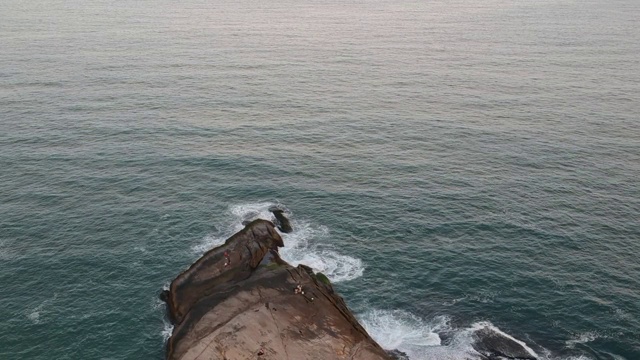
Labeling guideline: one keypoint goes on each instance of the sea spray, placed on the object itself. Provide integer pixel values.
(397, 329)
(307, 244)
(421, 339)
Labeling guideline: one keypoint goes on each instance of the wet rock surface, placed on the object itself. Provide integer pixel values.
(281, 220)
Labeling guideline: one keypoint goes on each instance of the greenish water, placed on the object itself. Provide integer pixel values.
(448, 165)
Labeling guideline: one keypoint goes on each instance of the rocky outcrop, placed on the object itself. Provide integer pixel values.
(242, 301)
(496, 345)
(281, 221)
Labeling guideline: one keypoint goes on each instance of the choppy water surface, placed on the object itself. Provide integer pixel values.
(449, 164)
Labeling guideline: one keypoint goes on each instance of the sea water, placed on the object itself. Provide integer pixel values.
(449, 165)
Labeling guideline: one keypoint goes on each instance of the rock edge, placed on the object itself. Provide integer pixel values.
(242, 301)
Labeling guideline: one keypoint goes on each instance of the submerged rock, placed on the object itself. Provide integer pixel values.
(494, 344)
(242, 301)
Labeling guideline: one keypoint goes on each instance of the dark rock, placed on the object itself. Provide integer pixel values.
(398, 355)
(496, 345)
(282, 222)
(164, 295)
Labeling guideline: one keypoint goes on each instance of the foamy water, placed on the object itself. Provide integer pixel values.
(403, 331)
(307, 244)
(420, 339)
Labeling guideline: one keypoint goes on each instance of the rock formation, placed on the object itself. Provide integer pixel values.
(242, 301)
(282, 222)
(495, 345)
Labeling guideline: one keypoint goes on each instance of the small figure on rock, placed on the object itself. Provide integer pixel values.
(260, 352)
(227, 259)
(298, 290)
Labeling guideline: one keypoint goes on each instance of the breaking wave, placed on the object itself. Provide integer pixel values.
(167, 330)
(306, 244)
(400, 330)
(417, 338)
(421, 339)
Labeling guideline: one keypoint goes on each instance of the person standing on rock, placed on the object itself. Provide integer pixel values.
(227, 260)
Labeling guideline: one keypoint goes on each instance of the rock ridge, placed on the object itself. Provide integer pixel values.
(240, 300)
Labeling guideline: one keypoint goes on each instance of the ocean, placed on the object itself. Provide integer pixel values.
(448, 164)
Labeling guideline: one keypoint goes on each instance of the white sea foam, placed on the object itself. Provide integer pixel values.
(167, 330)
(486, 324)
(159, 305)
(251, 211)
(238, 214)
(417, 338)
(400, 330)
(613, 356)
(420, 339)
(582, 338)
(208, 243)
(307, 244)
